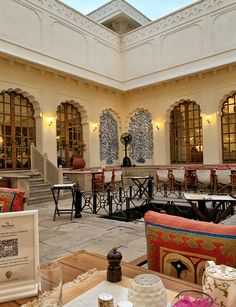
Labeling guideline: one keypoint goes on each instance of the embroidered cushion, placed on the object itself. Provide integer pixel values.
(6, 201)
(18, 204)
(180, 247)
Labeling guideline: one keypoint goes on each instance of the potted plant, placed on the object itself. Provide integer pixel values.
(78, 159)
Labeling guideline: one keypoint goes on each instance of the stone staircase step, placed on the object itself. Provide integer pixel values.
(43, 186)
(40, 192)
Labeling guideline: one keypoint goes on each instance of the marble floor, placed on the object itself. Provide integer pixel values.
(63, 236)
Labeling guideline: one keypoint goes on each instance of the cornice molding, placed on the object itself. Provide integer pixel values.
(119, 5)
(83, 22)
(177, 18)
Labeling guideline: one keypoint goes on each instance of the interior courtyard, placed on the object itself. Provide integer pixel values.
(121, 123)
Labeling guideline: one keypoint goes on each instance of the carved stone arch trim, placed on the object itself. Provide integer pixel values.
(176, 103)
(31, 98)
(132, 113)
(80, 108)
(224, 99)
(115, 114)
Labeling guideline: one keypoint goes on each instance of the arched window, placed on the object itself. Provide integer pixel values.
(17, 130)
(186, 133)
(228, 128)
(69, 134)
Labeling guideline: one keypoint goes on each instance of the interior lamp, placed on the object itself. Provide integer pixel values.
(208, 119)
(158, 126)
(50, 122)
(95, 126)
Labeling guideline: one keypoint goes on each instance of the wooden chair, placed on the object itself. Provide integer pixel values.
(104, 181)
(117, 179)
(203, 179)
(162, 176)
(223, 181)
(179, 179)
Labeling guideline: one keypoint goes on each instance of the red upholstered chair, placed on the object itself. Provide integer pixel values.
(103, 181)
(17, 202)
(6, 201)
(180, 247)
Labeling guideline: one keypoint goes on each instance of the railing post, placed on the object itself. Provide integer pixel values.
(150, 188)
(45, 157)
(109, 202)
(60, 174)
(130, 191)
(127, 209)
(94, 202)
(78, 201)
(32, 157)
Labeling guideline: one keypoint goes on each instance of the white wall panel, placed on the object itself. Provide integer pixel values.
(68, 44)
(20, 24)
(181, 46)
(224, 29)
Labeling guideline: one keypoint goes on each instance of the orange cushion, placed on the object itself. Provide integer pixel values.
(18, 204)
(180, 247)
(6, 200)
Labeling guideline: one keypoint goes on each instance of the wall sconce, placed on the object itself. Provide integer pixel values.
(50, 122)
(208, 119)
(158, 126)
(95, 126)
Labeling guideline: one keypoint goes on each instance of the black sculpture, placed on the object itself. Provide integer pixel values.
(126, 138)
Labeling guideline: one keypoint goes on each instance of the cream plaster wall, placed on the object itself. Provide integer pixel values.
(207, 90)
(48, 91)
(49, 51)
(185, 42)
(47, 36)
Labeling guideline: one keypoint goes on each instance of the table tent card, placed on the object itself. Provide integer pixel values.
(19, 255)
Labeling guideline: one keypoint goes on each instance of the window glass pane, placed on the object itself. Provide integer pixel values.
(68, 133)
(185, 134)
(228, 121)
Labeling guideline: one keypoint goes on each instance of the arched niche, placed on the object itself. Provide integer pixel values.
(109, 131)
(139, 125)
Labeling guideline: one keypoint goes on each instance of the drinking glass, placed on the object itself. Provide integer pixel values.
(50, 286)
(192, 298)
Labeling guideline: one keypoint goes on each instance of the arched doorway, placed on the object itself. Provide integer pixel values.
(186, 144)
(228, 129)
(17, 130)
(69, 133)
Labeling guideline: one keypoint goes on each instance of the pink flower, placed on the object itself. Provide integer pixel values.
(186, 301)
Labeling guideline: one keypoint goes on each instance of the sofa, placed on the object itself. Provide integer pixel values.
(11, 199)
(179, 247)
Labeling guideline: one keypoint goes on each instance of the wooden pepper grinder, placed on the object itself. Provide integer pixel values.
(114, 273)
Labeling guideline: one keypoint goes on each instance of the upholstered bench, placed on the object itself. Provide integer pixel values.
(180, 247)
(11, 199)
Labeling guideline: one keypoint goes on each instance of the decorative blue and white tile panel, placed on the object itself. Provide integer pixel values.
(108, 138)
(140, 127)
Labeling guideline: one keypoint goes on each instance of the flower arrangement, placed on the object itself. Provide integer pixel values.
(80, 148)
(185, 299)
